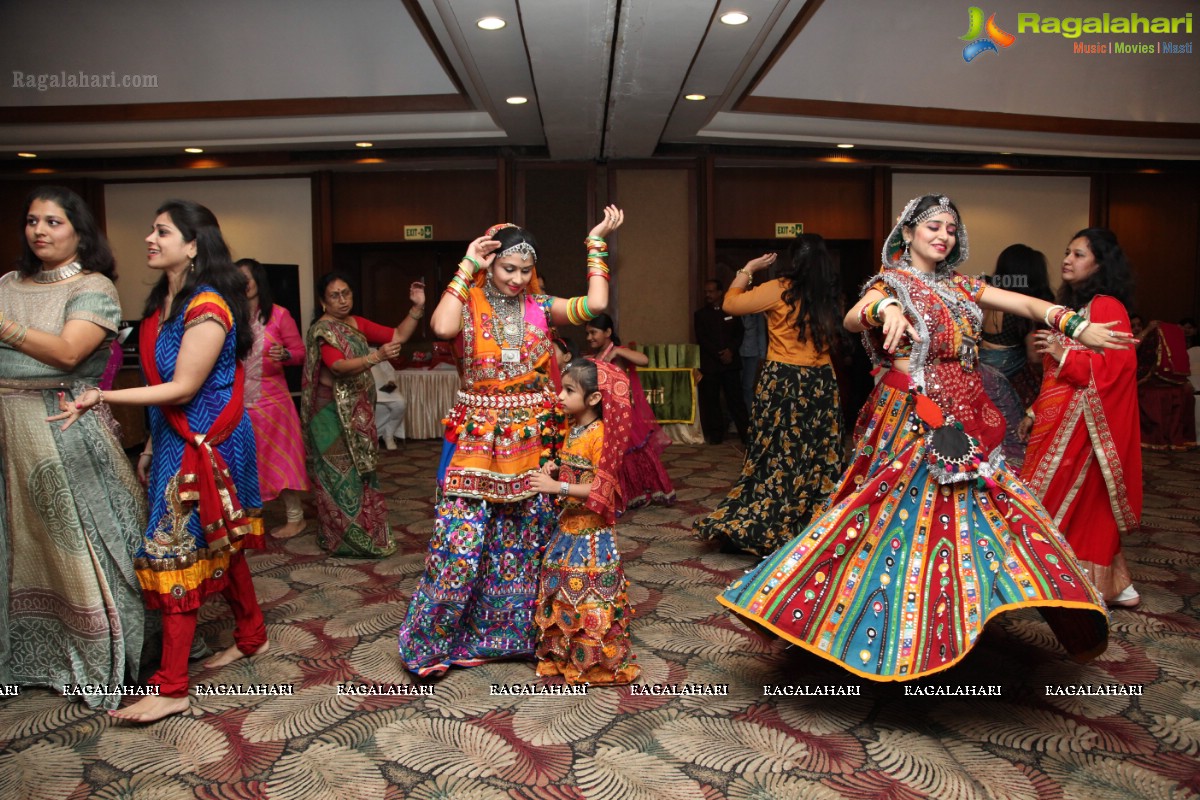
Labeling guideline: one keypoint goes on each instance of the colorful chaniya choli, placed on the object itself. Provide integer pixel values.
(582, 607)
(475, 601)
(928, 535)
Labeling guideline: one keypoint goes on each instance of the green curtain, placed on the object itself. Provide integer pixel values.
(670, 382)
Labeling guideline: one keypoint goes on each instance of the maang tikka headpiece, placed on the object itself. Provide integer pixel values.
(943, 207)
(523, 249)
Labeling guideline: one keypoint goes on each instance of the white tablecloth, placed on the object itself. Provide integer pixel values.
(430, 394)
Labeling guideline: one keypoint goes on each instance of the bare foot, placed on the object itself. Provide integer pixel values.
(152, 709)
(232, 654)
(292, 528)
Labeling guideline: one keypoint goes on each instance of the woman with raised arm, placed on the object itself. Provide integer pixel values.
(71, 511)
(928, 534)
(795, 453)
(337, 407)
(476, 599)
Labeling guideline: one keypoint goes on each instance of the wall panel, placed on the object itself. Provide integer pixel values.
(748, 201)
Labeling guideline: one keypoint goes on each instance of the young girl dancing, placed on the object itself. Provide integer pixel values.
(582, 610)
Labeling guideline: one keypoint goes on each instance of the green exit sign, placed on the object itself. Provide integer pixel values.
(418, 232)
(788, 230)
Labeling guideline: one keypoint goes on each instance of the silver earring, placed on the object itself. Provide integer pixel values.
(904, 258)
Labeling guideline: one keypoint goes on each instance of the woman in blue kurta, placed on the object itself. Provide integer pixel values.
(203, 476)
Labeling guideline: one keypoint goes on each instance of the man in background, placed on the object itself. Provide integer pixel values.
(720, 337)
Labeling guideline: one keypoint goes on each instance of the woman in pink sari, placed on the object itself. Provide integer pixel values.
(643, 478)
(277, 436)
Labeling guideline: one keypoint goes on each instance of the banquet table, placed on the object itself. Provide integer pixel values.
(430, 394)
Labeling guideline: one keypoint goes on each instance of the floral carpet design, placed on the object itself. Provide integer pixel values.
(333, 621)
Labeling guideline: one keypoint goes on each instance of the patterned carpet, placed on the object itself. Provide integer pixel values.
(334, 620)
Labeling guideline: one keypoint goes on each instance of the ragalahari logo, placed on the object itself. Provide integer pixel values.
(981, 44)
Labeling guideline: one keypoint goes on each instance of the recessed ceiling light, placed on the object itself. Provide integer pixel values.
(491, 23)
(734, 18)
(193, 150)
(1006, 154)
(695, 97)
(846, 146)
(517, 101)
(26, 155)
(364, 144)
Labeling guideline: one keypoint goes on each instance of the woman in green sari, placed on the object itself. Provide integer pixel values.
(337, 411)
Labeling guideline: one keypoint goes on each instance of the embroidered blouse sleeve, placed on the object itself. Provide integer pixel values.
(879, 285)
(973, 285)
(208, 305)
(95, 301)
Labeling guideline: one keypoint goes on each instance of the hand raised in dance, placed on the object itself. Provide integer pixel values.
(613, 217)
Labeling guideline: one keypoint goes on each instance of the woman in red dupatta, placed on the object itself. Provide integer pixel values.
(203, 474)
(1084, 457)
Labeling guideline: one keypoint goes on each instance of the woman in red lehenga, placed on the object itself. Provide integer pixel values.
(644, 480)
(928, 535)
(1084, 457)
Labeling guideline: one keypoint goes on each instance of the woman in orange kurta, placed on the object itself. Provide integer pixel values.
(794, 457)
(1084, 457)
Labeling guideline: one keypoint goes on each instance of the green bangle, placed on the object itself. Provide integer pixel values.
(473, 261)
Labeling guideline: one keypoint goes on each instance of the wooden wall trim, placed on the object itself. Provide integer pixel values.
(236, 109)
(322, 224)
(959, 118)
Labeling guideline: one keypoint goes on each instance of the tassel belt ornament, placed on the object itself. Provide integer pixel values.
(953, 455)
(520, 400)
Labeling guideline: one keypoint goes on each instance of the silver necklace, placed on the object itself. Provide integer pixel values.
(58, 273)
(508, 321)
(577, 430)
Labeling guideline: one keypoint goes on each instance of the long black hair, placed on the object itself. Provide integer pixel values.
(603, 322)
(266, 302)
(93, 253)
(212, 266)
(1113, 275)
(1020, 261)
(813, 290)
